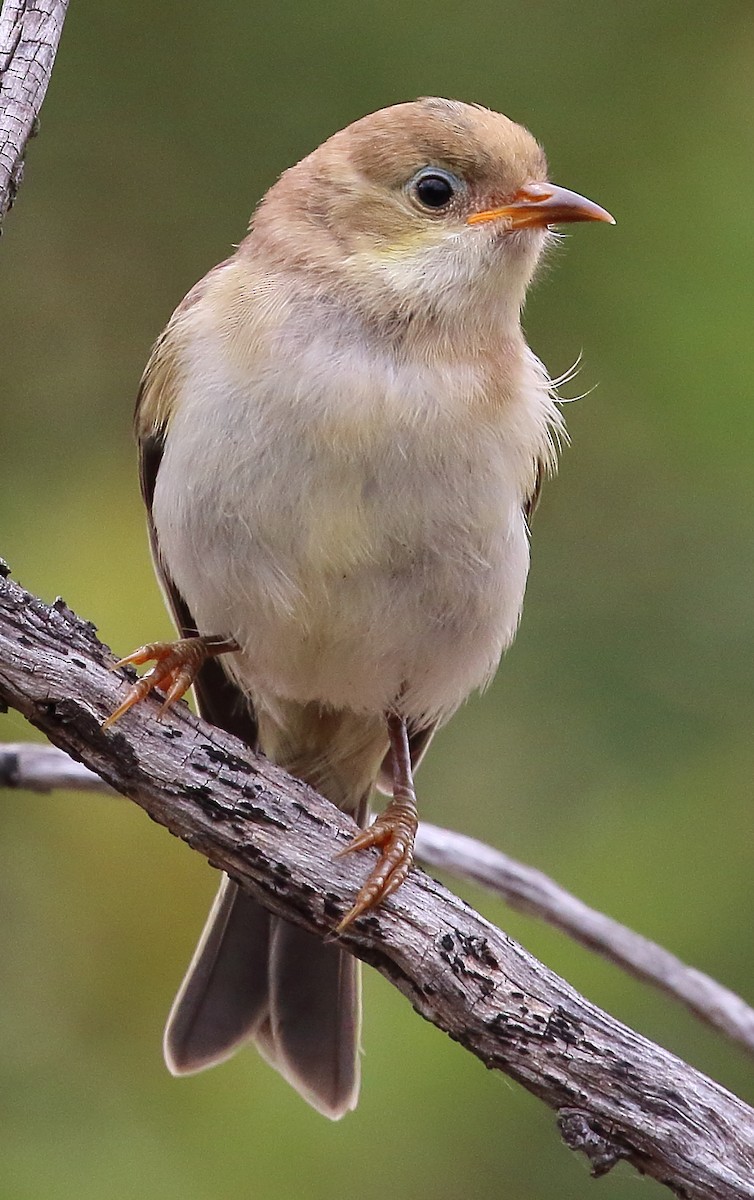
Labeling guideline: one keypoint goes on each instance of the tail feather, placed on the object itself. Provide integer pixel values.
(224, 995)
(254, 976)
(315, 1018)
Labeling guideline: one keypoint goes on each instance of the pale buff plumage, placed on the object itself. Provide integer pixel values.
(351, 428)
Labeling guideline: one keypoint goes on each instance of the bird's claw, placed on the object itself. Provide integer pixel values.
(176, 667)
(393, 833)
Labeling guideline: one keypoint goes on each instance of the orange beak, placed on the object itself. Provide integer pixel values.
(540, 204)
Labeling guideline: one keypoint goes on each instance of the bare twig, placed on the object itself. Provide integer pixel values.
(29, 35)
(43, 768)
(36, 767)
(531, 891)
(617, 1095)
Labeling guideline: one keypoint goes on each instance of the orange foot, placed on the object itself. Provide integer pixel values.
(394, 832)
(176, 667)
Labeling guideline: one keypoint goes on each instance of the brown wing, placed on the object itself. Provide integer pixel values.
(532, 500)
(219, 700)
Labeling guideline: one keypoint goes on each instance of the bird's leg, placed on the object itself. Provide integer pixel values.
(176, 667)
(393, 832)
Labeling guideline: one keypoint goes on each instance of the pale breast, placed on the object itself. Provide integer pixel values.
(354, 522)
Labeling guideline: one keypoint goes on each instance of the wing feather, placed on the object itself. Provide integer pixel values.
(218, 699)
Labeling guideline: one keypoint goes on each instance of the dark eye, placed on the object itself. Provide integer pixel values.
(434, 188)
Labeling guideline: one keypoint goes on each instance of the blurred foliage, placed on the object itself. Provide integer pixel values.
(614, 750)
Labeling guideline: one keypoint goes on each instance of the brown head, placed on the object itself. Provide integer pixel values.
(430, 198)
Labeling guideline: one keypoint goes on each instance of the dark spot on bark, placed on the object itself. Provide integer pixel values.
(580, 1131)
(253, 812)
(302, 808)
(563, 1028)
(246, 848)
(622, 1070)
(458, 963)
(455, 963)
(554, 1080)
(507, 1028)
(210, 807)
(224, 758)
(252, 791)
(4, 569)
(477, 947)
(199, 791)
(674, 1098)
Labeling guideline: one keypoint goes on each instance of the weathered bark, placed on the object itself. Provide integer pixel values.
(617, 1094)
(29, 35)
(44, 768)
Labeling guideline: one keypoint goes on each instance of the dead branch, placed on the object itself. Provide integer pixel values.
(617, 1095)
(29, 35)
(44, 768)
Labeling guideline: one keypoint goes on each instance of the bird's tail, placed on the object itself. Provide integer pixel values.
(255, 976)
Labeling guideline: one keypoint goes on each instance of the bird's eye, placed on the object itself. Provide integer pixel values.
(434, 188)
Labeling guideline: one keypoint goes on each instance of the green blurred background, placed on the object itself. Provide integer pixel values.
(614, 750)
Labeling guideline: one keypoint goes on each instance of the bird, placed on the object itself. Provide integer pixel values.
(342, 437)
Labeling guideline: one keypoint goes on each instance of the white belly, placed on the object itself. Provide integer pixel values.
(358, 547)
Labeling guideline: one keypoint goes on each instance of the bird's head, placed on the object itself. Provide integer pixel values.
(428, 206)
